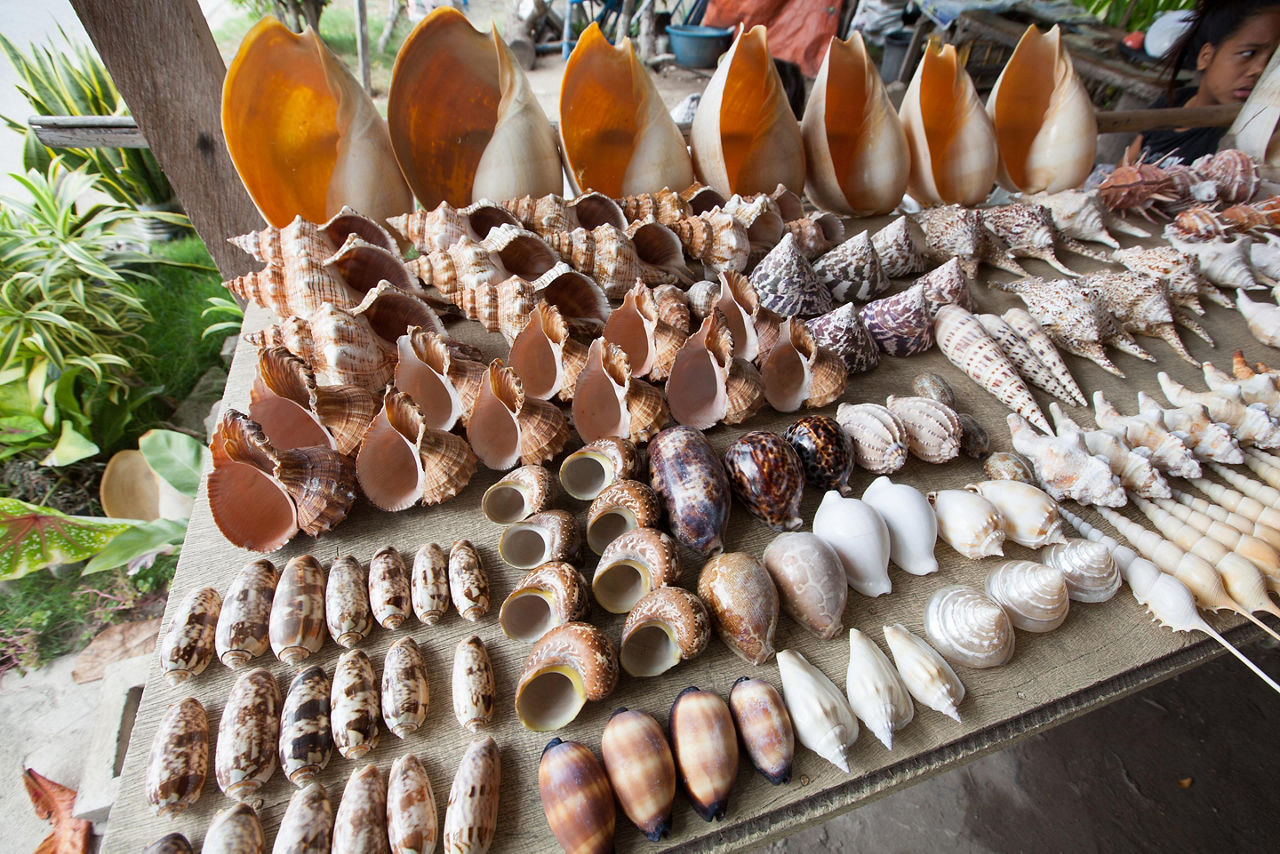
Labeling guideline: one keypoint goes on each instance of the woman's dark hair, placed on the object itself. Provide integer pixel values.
(1213, 22)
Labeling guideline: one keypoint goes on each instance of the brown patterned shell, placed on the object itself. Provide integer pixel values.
(346, 602)
(405, 691)
(248, 734)
(308, 821)
(706, 750)
(634, 564)
(472, 683)
(187, 646)
(389, 588)
(294, 411)
(471, 817)
(668, 625)
(548, 596)
(576, 797)
(235, 831)
(411, 807)
(306, 739)
(429, 584)
(468, 581)
(622, 506)
(568, 666)
(179, 758)
(547, 536)
(641, 769)
(843, 332)
(354, 710)
(743, 604)
(765, 728)
(243, 621)
(766, 475)
(297, 626)
(689, 477)
(586, 472)
(361, 822)
(853, 271)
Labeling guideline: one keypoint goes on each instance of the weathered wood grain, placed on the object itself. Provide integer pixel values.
(87, 131)
(168, 69)
(1101, 653)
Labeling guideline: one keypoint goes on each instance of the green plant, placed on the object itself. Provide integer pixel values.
(1131, 14)
(76, 83)
(222, 307)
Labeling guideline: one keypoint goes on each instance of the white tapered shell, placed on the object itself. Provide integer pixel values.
(824, 721)
(968, 627)
(1032, 594)
(879, 436)
(968, 523)
(1043, 117)
(1065, 468)
(1023, 358)
(744, 138)
(1135, 470)
(856, 152)
(1168, 452)
(1250, 424)
(1090, 572)
(1078, 214)
(966, 344)
(1257, 388)
(913, 529)
(1028, 516)
(876, 692)
(860, 537)
(951, 138)
(931, 681)
(617, 135)
(1223, 262)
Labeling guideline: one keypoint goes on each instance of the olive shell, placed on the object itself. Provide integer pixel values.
(706, 750)
(929, 384)
(576, 797)
(692, 484)
(641, 769)
(1009, 465)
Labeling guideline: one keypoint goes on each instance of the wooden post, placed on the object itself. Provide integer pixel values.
(623, 29)
(395, 8)
(648, 31)
(362, 45)
(168, 69)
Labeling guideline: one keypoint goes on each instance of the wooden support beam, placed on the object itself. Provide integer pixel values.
(168, 69)
(87, 131)
(1137, 121)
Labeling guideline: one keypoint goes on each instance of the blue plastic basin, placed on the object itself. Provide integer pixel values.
(698, 47)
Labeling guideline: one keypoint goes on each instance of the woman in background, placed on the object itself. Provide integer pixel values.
(1229, 43)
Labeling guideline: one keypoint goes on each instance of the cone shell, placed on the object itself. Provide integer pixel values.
(820, 712)
(744, 138)
(641, 769)
(620, 507)
(405, 692)
(346, 602)
(236, 830)
(483, 135)
(856, 153)
(617, 135)
(586, 472)
(926, 674)
(471, 818)
(243, 621)
(308, 822)
(443, 385)
(551, 535)
(667, 625)
(797, 372)
(411, 807)
(968, 627)
(570, 665)
(474, 692)
(306, 738)
(634, 564)
(765, 474)
(879, 437)
(787, 284)
(1043, 117)
(429, 584)
(353, 705)
(965, 343)
(468, 581)
(765, 728)
(553, 594)
(901, 325)
(842, 332)
(297, 626)
(825, 451)
(706, 750)
(179, 758)
(933, 429)
(810, 581)
(576, 796)
(187, 646)
(245, 757)
(518, 495)
(951, 139)
(743, 604)
(312, 141)
(876, 692)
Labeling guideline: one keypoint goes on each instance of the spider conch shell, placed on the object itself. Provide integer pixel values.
(311, 141)
(951, 138)
(481, 133)
(507, 425)
(1135, 470)
(1064, 466)
(1044, 121)
(744, 138)
(617, 135)
(855, 149)
(402, 461)
(1208, 439)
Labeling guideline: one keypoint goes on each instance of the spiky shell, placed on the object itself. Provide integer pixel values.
(1065, 467)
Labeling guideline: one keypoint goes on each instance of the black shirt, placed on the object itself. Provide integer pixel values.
(1187, 144)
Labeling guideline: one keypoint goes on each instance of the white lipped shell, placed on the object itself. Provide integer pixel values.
(518, 495)
(926, 674)
(810, 579)
(546, 536)
(879, 436)
(855, 150)
(951, 138)
(860, 537)
(1090, 571)
(1032, 594)
(571, 664)
(969, 627)
(876, 692)
(824, 721)
(634, 564)
(913, 529)
(1044, 121)
(968, 523)
(1028, 516)
(546, 597)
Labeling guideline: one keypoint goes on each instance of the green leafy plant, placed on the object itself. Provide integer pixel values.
(74, 82)
(33, 537)
(222, 307)
(1131, 14)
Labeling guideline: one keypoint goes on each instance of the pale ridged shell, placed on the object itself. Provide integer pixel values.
(1028, 516)
(641, 769)
(1028, 231)
(1251, 425)
(634, 564)
(1167, 450)
(933, 430)
(296, 280)
(471, 816)
(879, 437)
(1207, 439)
(926, 674)
(965, 343)
(444, 225)
(900, 248)
(852, 270)
(474, 694)
(468, 581)
(1033, 595)
(402, 461)
(1090, 571)
(842, 332)
(509, 427)
(819, 710)
(443, 385)
(946, 285)
(810, 581)
(900, 324)
(1078, 214)
(743, 604)
(797, 372)
(429, 584)
(586, 472)
(876, 692)
(666, 626)
(569, 665)
(405, 691)
(546, 536)
(787, 284)
(968, 627)
(1222, 262)
(1232, 171)
(968, 523)
(1065, 468)
(580, 300)
(1136, 471)
(518, 495)
(553, 594)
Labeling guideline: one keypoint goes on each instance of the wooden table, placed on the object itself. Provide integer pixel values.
(1102, 653)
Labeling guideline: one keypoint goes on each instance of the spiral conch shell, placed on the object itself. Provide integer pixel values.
(312, 141)
(968, 627)
(855, 149)
(744, 138)
(403, 461)
(1043, 117)
(952, 141)
(1032, 594)
(481, 134)
(617, 135)
(508, 426)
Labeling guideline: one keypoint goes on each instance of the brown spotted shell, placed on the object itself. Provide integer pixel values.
(766, 475)
(743, 604)
(668, 625)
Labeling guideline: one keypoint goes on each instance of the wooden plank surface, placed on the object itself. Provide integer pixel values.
(1101, 653)
(163, 59)
(87, 131)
